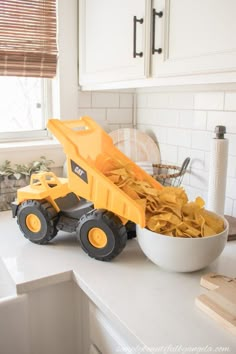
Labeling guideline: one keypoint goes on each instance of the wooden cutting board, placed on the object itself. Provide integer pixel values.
(135, 144)
(232, 227)
(220, 300)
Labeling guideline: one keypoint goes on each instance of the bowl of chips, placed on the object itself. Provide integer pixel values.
(179, 235)
(182, 254)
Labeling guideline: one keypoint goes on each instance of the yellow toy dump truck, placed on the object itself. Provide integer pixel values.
(87, 202)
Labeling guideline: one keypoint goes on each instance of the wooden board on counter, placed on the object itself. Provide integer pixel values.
(220, 301)
(232, 227)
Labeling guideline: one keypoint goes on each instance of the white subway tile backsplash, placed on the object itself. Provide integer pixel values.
(209, 100)
(183, 152)
(228, 119)
(234, 209)
(201, 140)
(185, 177)
(126, 100)
(112, 127)
(181, 122)
(141, 100)
(199, 120)
(169, 153)
(207, 160)
(186, 119)
(228, 206)
(167, 117)
(231, 188)
(126, 125)
(98, 114)
(158, 100)
(160, 133)
(199, 179)
(197, 157)
(232, 144)
(111, 108)
(181, 100)
(105, 99)
(230, 101)
(122, 115)
(159, 117)
(146, 116)
(84, 99)
(231, 171)
(179, 137)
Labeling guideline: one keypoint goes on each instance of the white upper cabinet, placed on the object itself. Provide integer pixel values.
(112, 40)
(135, 43)
(196, 37)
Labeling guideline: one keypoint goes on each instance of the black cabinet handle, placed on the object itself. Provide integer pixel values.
(154, 14)
(135, 20)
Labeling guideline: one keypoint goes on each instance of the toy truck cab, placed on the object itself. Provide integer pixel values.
(44, 185)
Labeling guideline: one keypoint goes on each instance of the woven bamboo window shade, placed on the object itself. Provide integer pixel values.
(28, 38)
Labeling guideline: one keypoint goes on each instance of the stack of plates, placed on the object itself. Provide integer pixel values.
(138, 146)
(146, 166)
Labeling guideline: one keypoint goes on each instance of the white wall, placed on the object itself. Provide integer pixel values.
(182, 120)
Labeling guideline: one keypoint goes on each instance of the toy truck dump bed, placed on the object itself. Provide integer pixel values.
(88, 149)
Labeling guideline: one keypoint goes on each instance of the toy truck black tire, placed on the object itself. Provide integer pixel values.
(131, 229)
(37, 221)
(101, 234)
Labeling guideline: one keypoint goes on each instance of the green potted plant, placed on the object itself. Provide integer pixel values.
(16, 176)
(6, 170)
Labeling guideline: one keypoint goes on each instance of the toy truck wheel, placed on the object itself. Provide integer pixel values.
(37, 221)
(131, 229)
(101, 234)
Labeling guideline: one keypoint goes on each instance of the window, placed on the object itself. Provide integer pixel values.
(28, 55)
(24, 106)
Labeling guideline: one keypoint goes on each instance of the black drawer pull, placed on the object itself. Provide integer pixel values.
(154, 14)
(135, 54)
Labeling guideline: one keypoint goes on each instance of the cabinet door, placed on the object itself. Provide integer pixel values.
(103, 335)
(106, 40)
(196, 37)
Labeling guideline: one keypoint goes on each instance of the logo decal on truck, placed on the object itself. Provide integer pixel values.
(79, 171)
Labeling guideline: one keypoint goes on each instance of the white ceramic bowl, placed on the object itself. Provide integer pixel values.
(181, 254)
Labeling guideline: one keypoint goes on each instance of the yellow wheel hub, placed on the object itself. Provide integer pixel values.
(97, 237)
(33, 223)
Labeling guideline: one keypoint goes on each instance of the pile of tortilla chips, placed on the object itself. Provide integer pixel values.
(167, 210)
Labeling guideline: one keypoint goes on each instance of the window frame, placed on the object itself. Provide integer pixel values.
(15, 136)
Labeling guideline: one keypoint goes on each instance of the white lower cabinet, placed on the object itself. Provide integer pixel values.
(105, 337)
(14, 325)
(57, 319)
(44, 320)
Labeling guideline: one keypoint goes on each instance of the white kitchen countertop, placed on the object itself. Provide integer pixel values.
(154, 306)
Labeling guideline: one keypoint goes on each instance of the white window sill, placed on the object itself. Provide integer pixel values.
(33, 144)
(27, 151)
